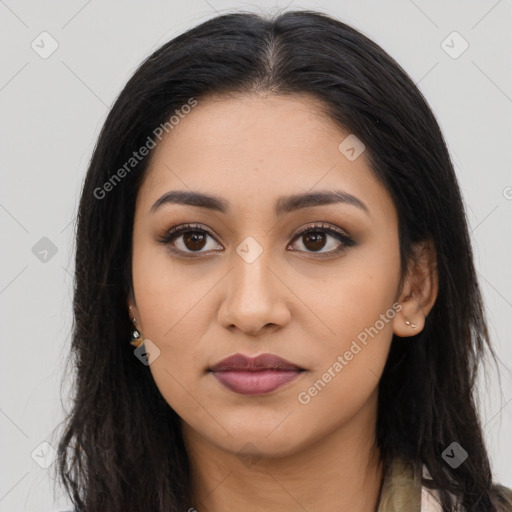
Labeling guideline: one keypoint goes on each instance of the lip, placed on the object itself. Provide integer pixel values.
(261, 362)
(255, 375)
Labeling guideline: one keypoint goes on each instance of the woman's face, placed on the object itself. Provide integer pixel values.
(244, 280)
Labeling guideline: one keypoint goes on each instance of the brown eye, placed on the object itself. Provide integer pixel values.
(316, 238)
(188, 239)
(194, 240)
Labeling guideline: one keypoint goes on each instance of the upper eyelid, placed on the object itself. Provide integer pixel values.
(320, 225)
(177, 231)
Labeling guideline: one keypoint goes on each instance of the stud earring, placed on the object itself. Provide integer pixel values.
(410, 324)
(136, 340)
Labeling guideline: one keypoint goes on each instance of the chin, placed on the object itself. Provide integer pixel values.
(258, 444)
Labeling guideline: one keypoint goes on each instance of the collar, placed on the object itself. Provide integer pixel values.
(402, 489)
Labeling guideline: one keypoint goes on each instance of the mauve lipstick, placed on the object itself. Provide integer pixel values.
(255, 375)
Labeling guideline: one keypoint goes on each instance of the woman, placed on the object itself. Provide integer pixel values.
(271, 210)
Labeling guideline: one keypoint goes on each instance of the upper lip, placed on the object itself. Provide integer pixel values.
(261, 362)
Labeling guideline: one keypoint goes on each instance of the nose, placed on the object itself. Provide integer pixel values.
(255, 298)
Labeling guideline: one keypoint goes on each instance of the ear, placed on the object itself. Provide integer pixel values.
(132, 308)
(134, 318)
(419, 290)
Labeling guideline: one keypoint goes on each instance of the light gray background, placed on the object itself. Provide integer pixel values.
(52, 111)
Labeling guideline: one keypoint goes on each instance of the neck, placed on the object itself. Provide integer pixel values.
(341, 471)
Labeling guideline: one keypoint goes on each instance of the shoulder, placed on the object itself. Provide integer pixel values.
(431, 502)
(430, 499)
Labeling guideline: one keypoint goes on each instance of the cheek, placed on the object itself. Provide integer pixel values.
(355, 300)
(166, 293)
(174, 318)
(171, 302)
(348, 366)
(359, 306)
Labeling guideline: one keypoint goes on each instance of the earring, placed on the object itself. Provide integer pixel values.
(136, 339)
(410, 324)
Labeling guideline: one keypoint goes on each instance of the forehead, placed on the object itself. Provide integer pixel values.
(250, 129)
(257, 147)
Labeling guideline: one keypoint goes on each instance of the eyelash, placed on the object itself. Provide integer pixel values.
(175, 232)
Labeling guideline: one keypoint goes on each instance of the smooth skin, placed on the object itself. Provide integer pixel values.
(198, 300)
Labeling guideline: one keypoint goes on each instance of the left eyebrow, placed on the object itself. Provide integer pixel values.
(296, 202)
(284, 204)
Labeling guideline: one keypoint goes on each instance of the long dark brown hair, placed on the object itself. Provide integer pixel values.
(121, 448)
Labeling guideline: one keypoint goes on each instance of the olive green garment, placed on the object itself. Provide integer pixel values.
(401, 488)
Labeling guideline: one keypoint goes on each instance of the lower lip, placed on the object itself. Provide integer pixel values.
(255, 382)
